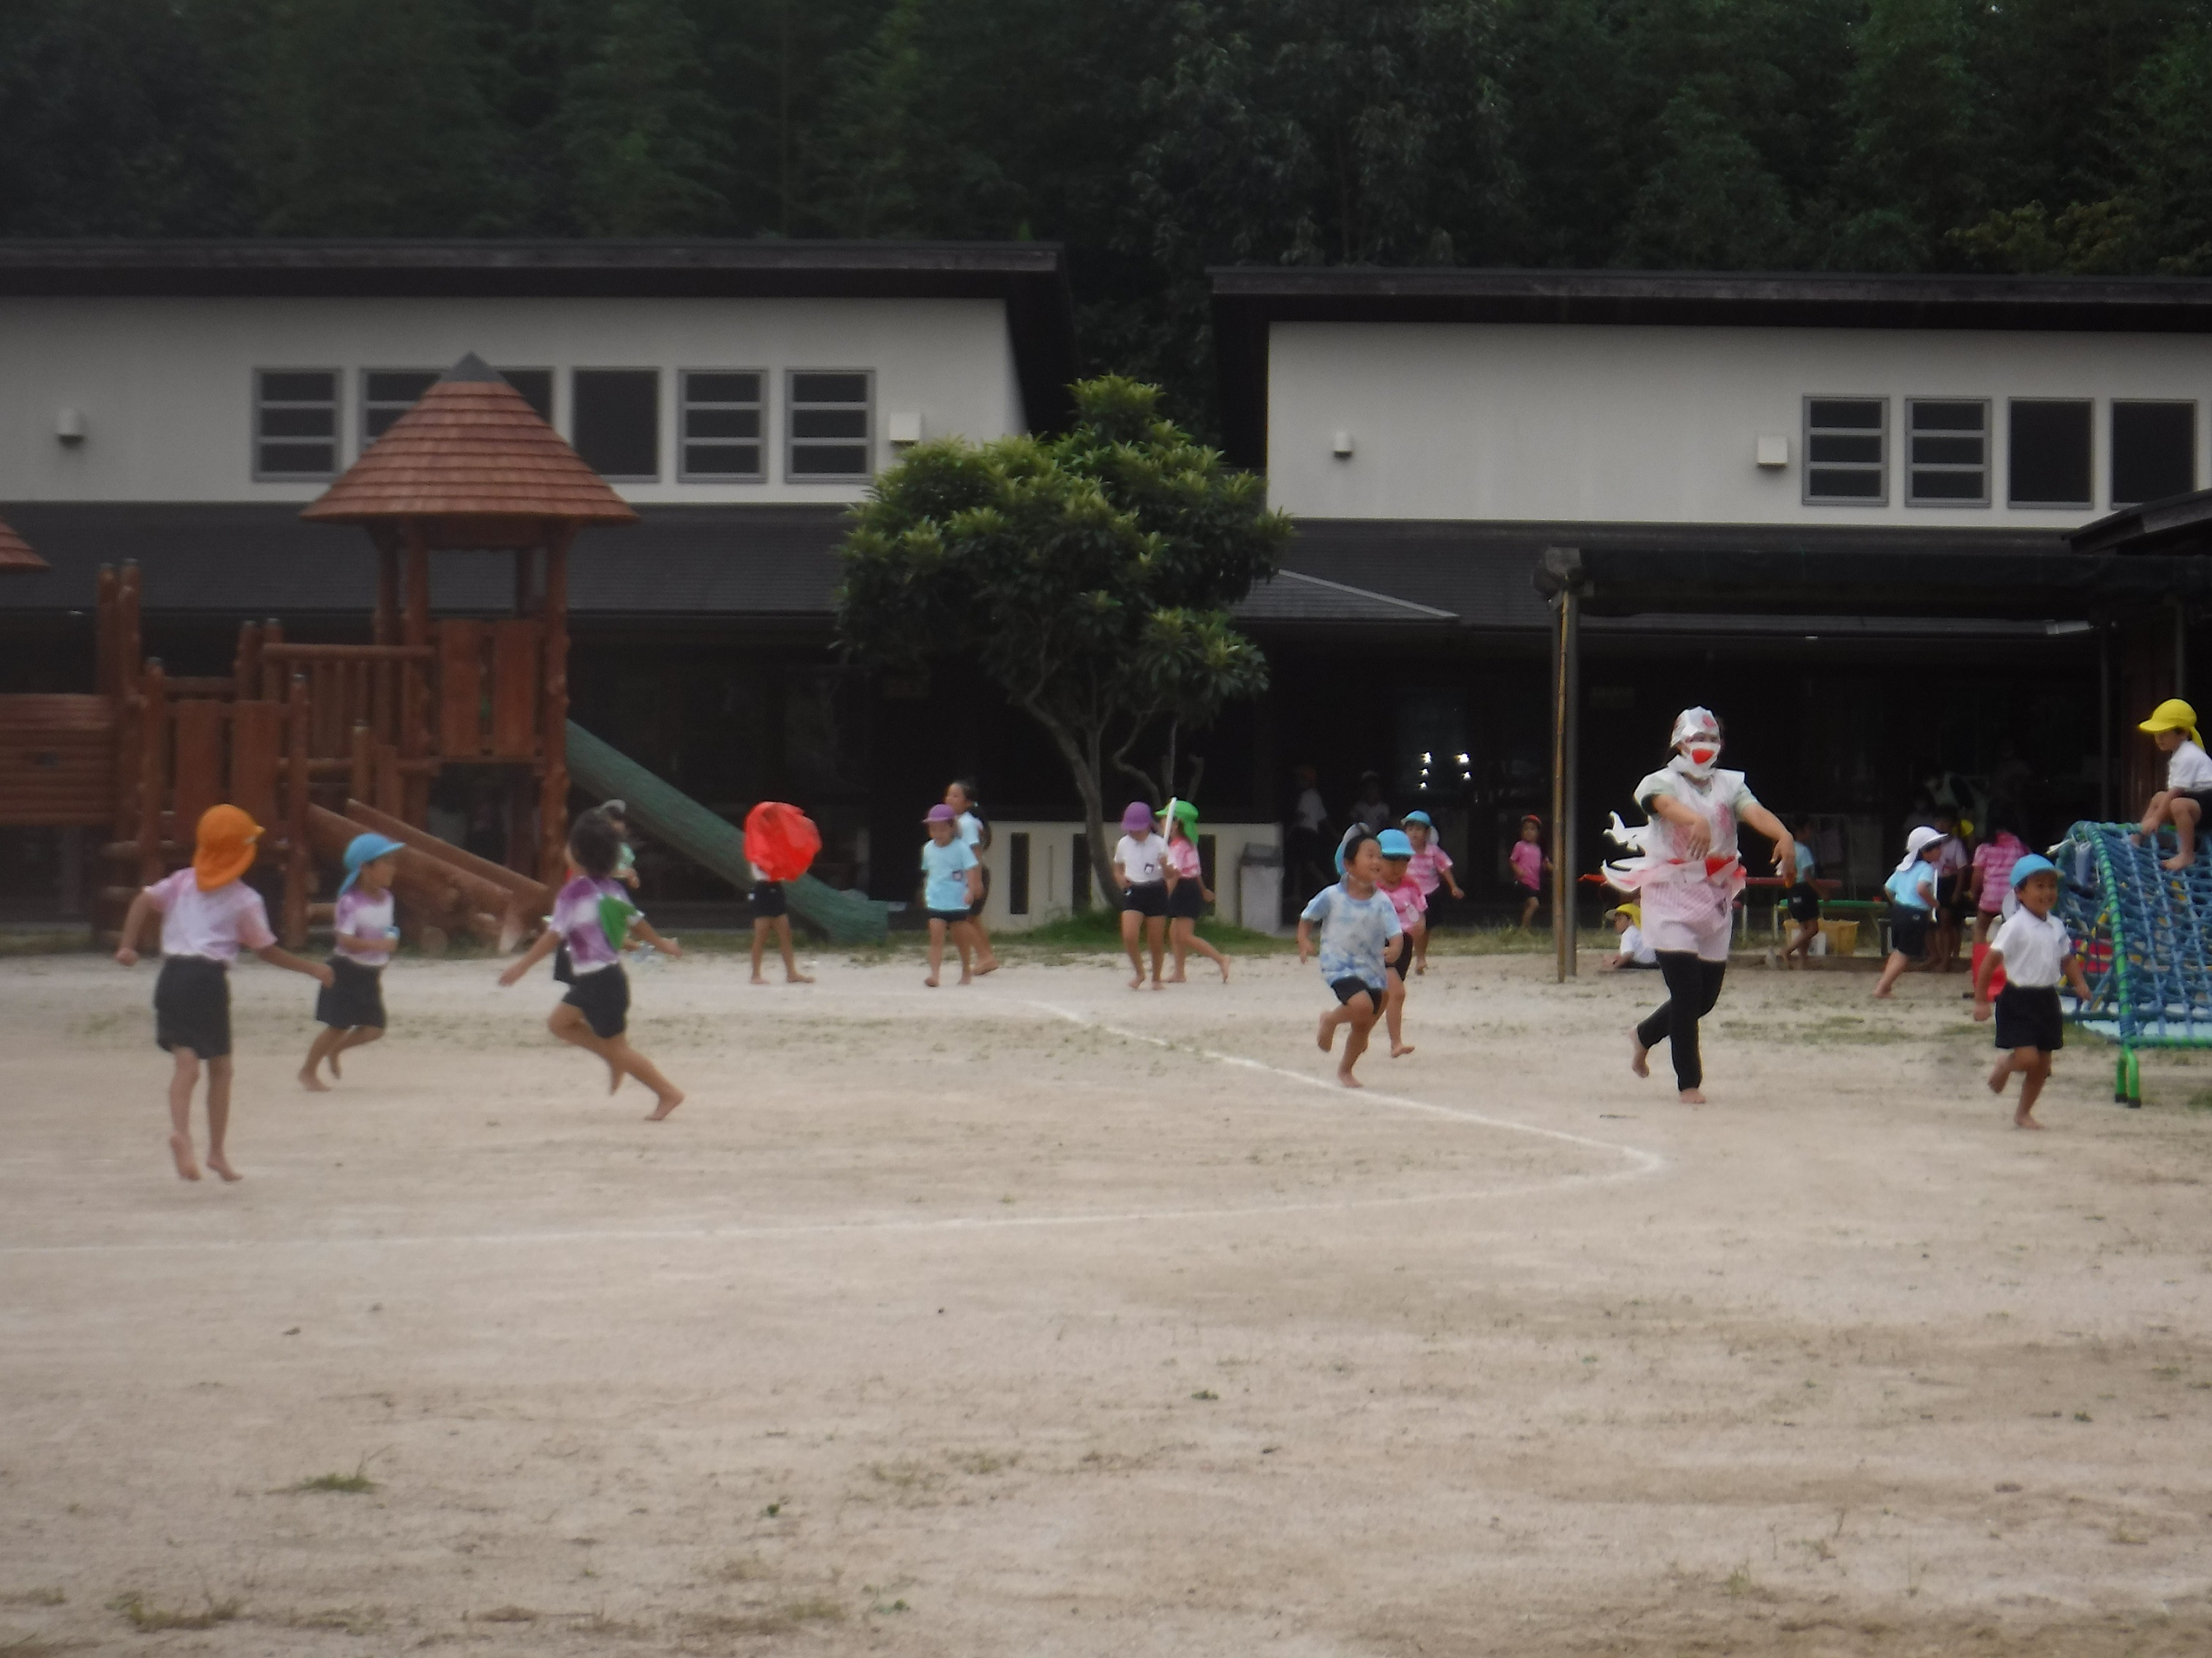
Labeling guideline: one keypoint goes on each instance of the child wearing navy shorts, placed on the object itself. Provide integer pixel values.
(951, 881)
(351, 1010)
(2036, 952)
(1360, 927)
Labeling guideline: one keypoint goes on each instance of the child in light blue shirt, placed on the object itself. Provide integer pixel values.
(1911, 889)
(1357, 922)
(951, 880)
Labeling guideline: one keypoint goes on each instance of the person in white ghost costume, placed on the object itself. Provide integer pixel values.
(1686, 876)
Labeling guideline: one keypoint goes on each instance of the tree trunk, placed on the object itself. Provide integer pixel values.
(1084, 768)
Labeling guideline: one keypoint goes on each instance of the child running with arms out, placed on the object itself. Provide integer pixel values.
(1405, 897)
(593, 916)
(1431, 866)
(207, 912)
(2036, 951)
(951, 880)
(1357, 923)
(351, 1008)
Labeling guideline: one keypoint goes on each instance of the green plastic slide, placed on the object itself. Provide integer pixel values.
(674, 818)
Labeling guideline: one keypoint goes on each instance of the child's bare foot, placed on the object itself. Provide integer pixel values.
(221, 1164)
(669, 1101)
(1137, 983)
(2181, 859)
(1176, 978)
(188, 1167)
(967, 977)
(800, 979)
(930, 981)
(2025, 1120)
(1156, 984)
(1399, 1050)
(991, 966)
(1691, 1096)
(760, 978)
(1345, 1080)
(1420, 967)
(1637, 1056)
(1884, 995)
(313, 1083)
(1224, 972)
(1327, 1036)
(2001, 1075)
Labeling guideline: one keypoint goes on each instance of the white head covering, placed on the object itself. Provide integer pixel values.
(1694, 722)
(1917, 842)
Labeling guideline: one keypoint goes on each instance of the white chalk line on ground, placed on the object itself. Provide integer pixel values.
(1639, 1164)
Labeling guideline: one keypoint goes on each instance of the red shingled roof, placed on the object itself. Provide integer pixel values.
(15, 554)
(472, 449)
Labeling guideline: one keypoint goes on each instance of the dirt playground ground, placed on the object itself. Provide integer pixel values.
(1046, 1318)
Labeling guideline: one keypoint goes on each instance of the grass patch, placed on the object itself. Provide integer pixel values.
(1099, 932)
(53, 1597)
(2201, 1100)
(508, 1615)
(355, 1483)
(345, 1620)
(150, 1620)
(41, 941)
(770, 1620)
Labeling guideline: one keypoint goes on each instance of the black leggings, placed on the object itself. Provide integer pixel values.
(1692, 987)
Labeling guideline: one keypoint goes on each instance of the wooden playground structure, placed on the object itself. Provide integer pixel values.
(319, 742)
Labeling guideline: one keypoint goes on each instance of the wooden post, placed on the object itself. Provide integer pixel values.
(245, 669)
(107, 674)
(364, 763)
(130, 644)
(297, 869)
(414, 712)
(553, 736)
(1565, 744)
(384, 629)
(152, 727)
(272, 676)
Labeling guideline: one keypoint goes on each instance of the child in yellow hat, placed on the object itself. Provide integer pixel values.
(2188, 788)
(207, 912)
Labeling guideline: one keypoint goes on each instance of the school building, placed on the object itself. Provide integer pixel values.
(1433, 432)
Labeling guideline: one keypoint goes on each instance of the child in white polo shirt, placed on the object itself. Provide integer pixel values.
(2188, 791)
(2036, 951)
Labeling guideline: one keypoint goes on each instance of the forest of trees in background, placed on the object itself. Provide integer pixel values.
(1156, 137)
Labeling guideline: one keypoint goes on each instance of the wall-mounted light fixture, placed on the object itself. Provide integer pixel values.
(1772, 449)
(903, 428)
(68, 426)
(1340, 444)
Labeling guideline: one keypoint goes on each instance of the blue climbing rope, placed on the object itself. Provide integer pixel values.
(2142, 929)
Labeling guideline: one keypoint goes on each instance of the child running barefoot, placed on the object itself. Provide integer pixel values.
(1188, 897)
(2034, 948)
(1405, 895)
(1530, 866)
(952, 880)
(1911, 889)
(351, 1010)
(1141, 860)
(594, 916)
(207, 912)
(1431, 866)
(2188, 789)
(1357, 923)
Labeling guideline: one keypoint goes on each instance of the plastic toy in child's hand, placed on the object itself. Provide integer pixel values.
(780, 840)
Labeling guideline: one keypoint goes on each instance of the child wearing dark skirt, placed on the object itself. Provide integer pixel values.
(208, 912)
(594, 1015)
(2036, 951)
(351, 1008)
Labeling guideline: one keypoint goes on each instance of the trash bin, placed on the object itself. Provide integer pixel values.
(1260, 888)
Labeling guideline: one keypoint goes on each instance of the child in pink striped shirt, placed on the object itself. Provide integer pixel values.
(1431, 866)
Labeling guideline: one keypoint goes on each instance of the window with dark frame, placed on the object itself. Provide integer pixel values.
(2154, 452)
(830, 416)
(721, 431)
(1846, 444)
(615, 414)
(295, 423)
(1947, 451)
(388, 393)
(2047, 454)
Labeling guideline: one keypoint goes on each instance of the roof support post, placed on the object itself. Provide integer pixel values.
(553, 723)
(2104, 720)
(1566, 742)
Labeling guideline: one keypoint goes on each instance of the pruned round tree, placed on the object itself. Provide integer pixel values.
(1089, 575)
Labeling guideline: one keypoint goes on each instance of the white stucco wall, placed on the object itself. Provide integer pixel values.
(166, 385)
(1053, 872)
(1588, 422)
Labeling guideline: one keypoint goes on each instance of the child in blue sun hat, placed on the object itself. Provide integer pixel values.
(351, 1008)
(2037, 952)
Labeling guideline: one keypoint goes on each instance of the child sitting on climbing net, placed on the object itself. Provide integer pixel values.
(2188, 780)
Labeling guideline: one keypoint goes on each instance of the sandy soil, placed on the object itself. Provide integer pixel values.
(967, 1322)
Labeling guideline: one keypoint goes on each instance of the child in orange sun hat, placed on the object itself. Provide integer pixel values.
(207, 912)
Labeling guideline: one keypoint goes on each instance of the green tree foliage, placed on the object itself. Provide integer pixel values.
(1156, 137)
(1089, 575)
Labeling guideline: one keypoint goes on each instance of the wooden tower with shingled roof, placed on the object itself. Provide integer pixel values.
(472, 469)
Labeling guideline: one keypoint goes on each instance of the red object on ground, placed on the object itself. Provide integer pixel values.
(780, 840)
(1996, 979)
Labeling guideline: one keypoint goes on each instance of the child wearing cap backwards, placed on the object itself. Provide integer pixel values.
(1357, 923)
(952, 880)
(1912, 888)
(1686, 881)
(2188, 789)
(351, 1010)
(1188, 897)
(1395, 849)
(592, 915)
(2035, 950)
(1431, 866)
(207, 912)
(1530, 866)
(1141, 869)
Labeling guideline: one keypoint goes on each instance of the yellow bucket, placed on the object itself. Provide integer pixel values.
(1843, 936)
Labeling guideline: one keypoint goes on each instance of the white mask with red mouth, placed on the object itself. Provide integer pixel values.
(1696, 740)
